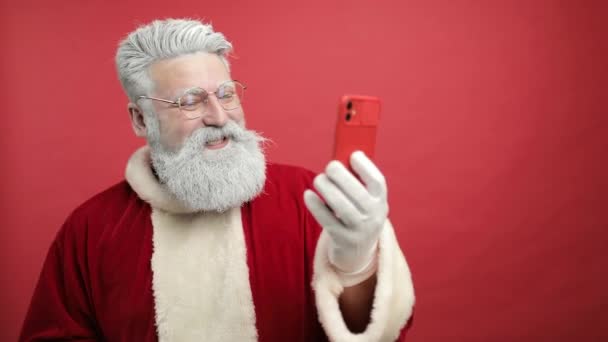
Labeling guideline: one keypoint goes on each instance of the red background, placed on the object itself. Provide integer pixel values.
(492, 138)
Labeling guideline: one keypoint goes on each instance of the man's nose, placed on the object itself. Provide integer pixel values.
(215, 115)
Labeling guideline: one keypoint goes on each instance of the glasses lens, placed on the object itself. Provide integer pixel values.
(192, 103)
(230, 95)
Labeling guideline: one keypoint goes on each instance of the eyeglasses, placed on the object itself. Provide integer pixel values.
(194, 103)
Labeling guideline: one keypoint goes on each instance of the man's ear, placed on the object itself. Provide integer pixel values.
(137, 119)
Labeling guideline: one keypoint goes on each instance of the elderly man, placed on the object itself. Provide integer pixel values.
(205, 241)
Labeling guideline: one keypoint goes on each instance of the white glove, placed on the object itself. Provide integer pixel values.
(354, 214)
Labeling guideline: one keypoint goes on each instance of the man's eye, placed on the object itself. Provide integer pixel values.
(226, 93)
(190, 100)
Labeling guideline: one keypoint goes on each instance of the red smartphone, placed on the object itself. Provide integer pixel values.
(358, 118)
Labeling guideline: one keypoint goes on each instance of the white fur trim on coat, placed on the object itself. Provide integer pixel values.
(393, 297)
(201, 279)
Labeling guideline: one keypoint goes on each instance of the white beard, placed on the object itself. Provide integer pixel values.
(211, 180)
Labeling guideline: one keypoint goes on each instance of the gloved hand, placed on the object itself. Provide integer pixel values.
(354, 215)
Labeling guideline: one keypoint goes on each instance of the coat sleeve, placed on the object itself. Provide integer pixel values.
(393, 298)
(61, 307)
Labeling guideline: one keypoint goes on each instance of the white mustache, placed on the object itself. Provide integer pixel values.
(230, 130)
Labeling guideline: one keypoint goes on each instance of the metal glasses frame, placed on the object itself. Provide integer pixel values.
(177, 102)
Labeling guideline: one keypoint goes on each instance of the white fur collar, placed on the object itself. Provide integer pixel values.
(143, 181)
(200, 278)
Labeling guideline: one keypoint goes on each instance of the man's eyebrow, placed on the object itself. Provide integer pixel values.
(175, 94)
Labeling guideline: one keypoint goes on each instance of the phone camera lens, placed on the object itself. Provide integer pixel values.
(349, 105)
(348, 116)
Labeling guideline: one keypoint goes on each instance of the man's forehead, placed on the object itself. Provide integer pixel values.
(193, 70)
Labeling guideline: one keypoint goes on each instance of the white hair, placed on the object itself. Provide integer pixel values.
(159, 40)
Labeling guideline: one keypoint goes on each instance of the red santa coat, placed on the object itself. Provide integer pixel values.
(131, 264)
